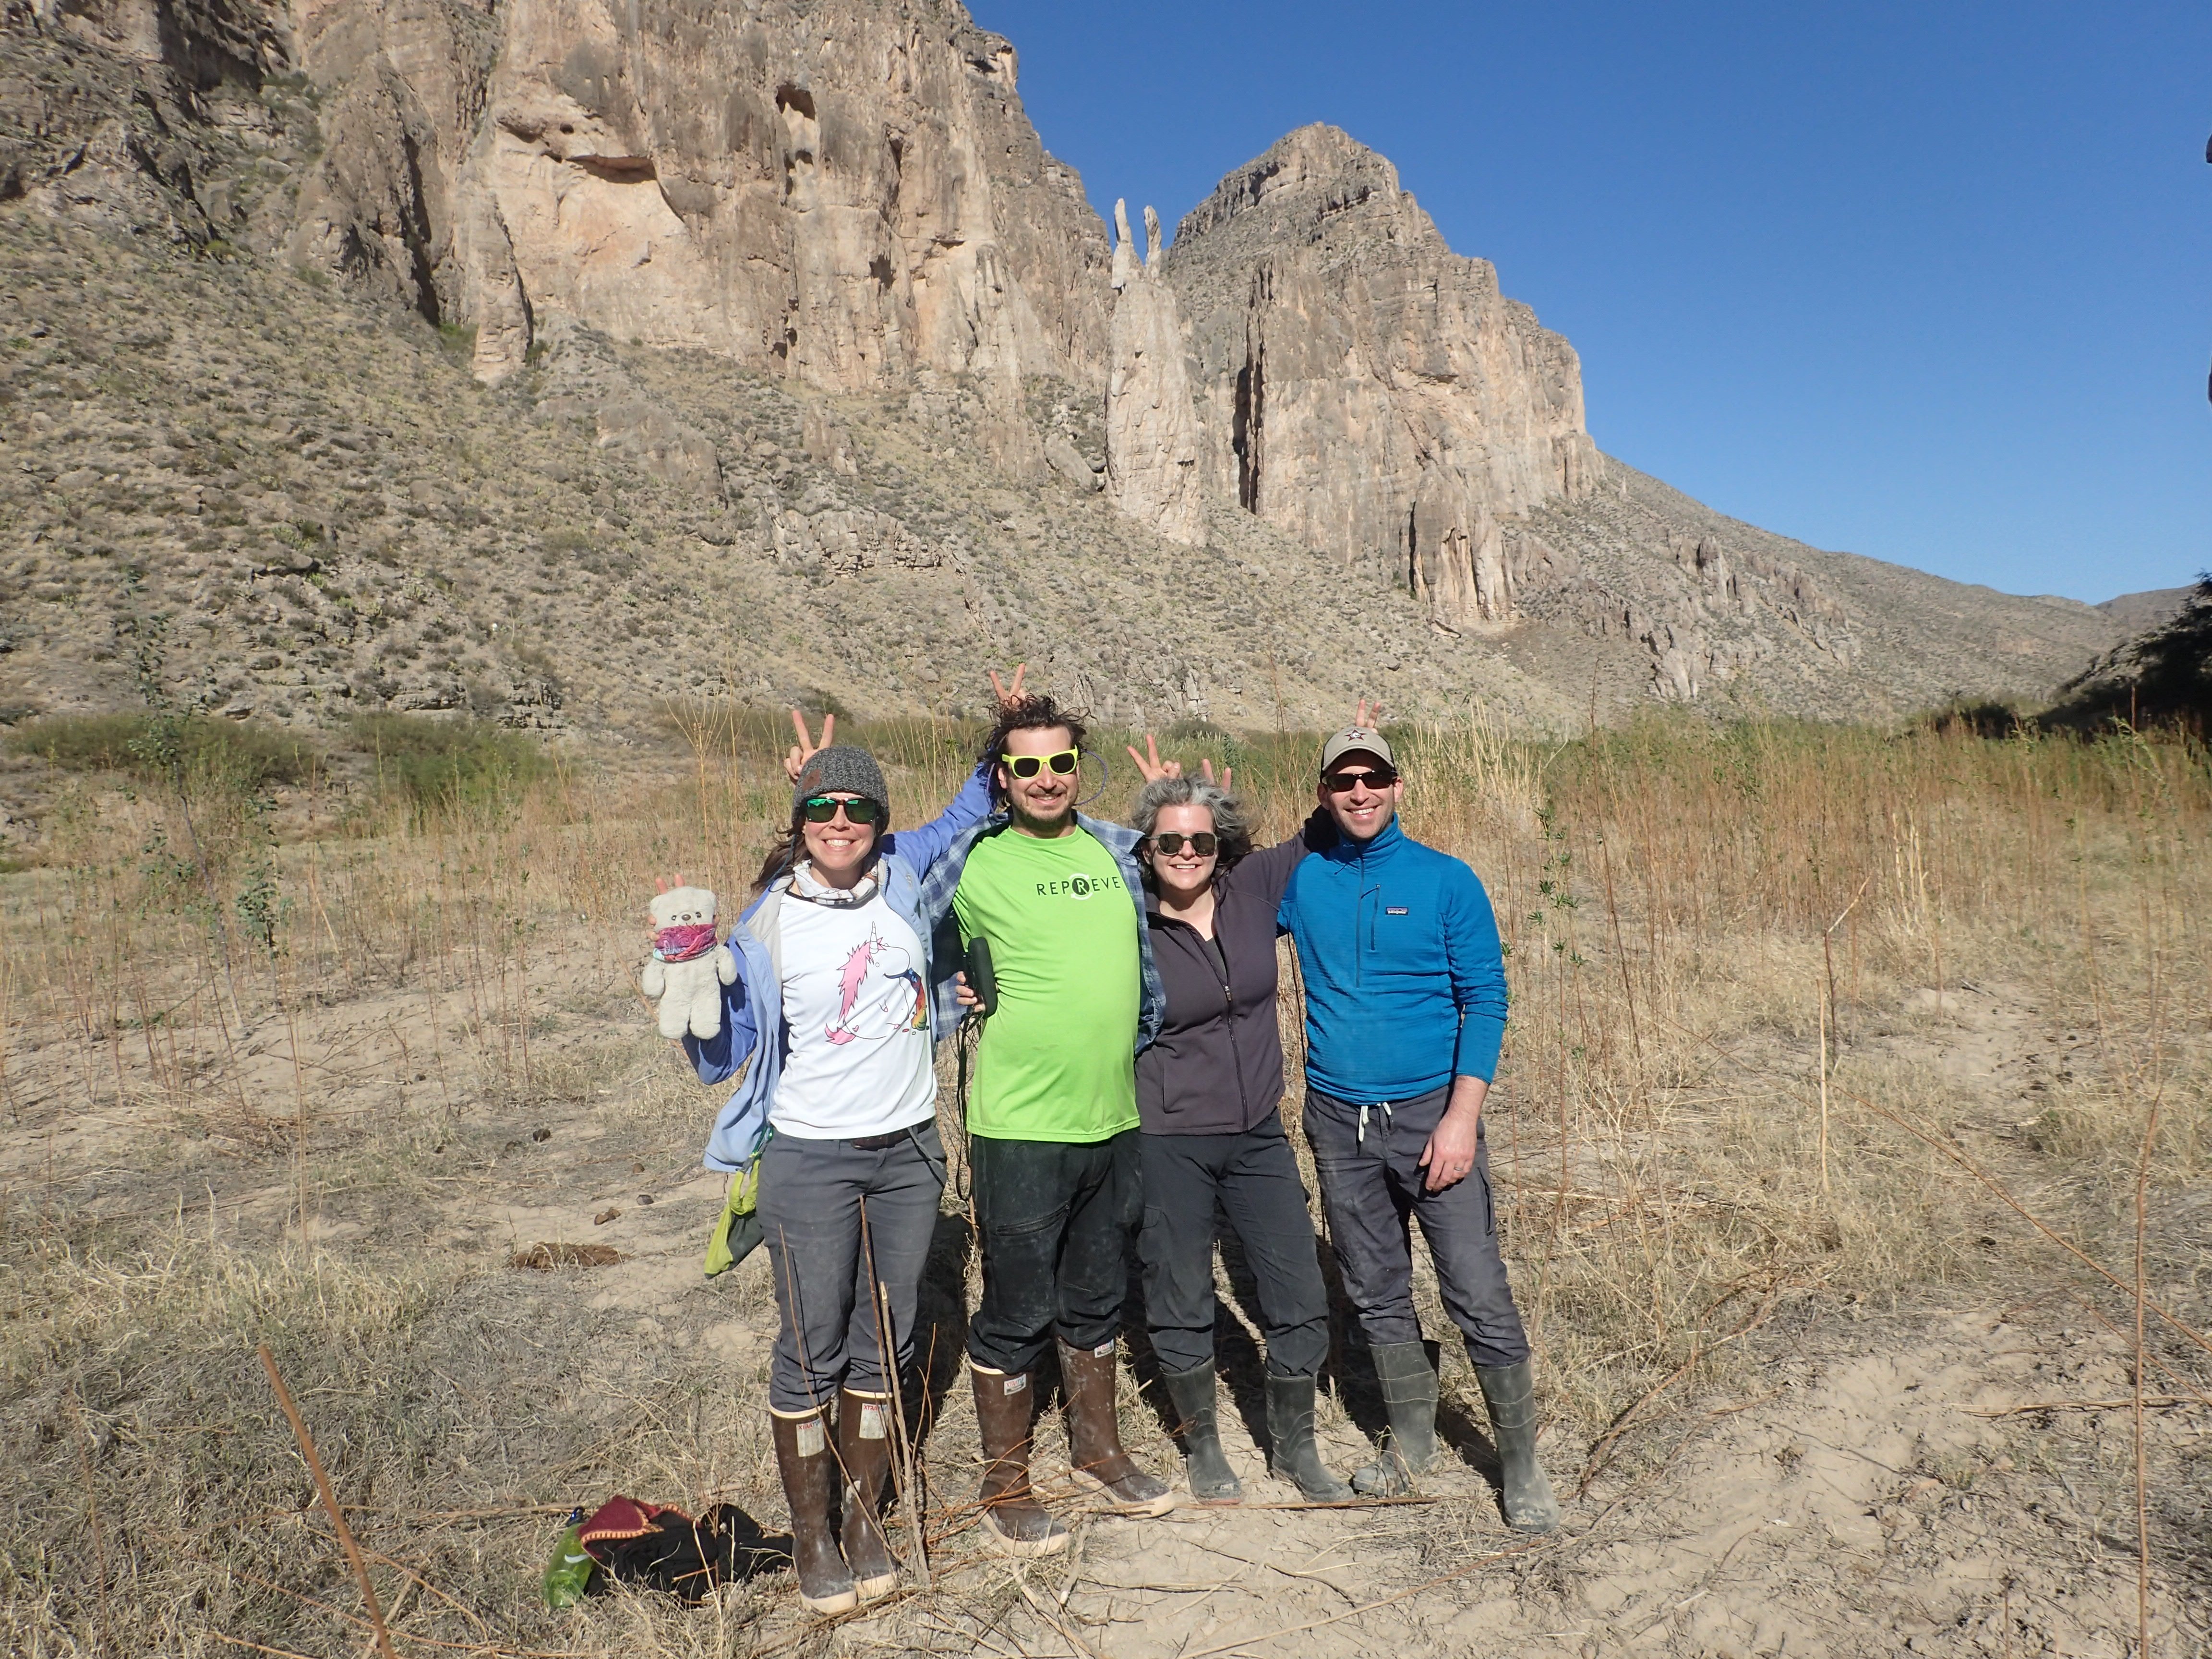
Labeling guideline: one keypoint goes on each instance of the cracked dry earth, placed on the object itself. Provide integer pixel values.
(1873, 1487)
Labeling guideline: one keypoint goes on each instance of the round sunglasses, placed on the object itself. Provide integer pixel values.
(1028, 766)
(1168, 843)
(820, 809)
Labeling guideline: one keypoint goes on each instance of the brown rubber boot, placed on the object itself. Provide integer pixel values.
(802, 1453)
(864, 1447)
(1014, 1522)
(1094, 1434)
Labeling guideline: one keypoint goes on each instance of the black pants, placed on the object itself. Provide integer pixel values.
(1255, 1178)
(1056, 1222)
(1372, 1185)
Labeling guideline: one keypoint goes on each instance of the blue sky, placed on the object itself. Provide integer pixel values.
(1931, 283)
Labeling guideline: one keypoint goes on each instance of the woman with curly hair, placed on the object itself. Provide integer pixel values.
(1208, 1090)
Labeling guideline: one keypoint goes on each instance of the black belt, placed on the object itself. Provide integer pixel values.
(877, 1143)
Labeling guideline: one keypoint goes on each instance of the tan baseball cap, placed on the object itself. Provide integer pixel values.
(1357, 740)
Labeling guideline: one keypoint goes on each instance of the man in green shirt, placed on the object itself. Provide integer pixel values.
(1053, 1116)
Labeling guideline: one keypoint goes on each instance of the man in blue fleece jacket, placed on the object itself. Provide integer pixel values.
(1405, 1000)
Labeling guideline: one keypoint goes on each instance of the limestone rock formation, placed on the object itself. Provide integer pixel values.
(843, 193)
(149, 115)
(1152, 433)
(1366, 388)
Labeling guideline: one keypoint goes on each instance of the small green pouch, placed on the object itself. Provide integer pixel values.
(736, 1232)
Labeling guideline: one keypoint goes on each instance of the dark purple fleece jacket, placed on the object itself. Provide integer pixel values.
(1216, 1067)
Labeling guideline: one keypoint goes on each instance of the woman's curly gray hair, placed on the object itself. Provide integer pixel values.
(1231, 828)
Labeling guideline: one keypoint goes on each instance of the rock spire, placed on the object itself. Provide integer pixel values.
(1152, 433)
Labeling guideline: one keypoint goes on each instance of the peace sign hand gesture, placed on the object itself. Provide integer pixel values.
(1009, 695)
(1151, 766)
(806, 749)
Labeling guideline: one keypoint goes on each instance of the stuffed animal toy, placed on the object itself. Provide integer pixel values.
(689, 968)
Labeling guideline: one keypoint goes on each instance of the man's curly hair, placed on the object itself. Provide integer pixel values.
(1034, 711)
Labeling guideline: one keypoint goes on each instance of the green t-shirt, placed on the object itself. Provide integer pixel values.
(1057, 1060)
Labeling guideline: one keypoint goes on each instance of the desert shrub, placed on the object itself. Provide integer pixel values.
(434, 766)
(244, 754)
(1973, 718)
(2175, 682)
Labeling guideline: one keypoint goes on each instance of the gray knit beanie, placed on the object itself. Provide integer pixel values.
(843, 768)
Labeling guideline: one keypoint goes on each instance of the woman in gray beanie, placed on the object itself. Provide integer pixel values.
(838, 1108)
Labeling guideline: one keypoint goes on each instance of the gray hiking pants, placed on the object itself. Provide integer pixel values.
(812, 1192)
(1373, 1188)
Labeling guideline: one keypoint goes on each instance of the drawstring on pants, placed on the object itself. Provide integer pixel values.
(1389, 1122)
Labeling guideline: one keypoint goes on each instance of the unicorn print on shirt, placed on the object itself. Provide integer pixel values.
(879, 994)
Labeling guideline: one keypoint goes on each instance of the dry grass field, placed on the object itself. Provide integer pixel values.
(1852, 1138)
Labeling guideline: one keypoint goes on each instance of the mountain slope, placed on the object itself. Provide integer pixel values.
(548, 357)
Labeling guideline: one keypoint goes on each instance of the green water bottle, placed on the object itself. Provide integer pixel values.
(568, 1574)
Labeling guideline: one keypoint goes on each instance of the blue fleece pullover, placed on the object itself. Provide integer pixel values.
(1404, 982)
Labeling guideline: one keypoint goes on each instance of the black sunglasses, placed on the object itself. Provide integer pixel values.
(1343, 783)
(1168, 843)
(820, 809)
(1028, 766)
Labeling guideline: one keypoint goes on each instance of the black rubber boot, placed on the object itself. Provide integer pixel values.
(1409, 1394)
(1510, 1391)
(864, 1446)
(1014, 1522)
(802, 1453)
(1192, 1393)
(1291, 1452)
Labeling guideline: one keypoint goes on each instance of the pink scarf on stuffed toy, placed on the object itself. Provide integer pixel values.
(683, 944)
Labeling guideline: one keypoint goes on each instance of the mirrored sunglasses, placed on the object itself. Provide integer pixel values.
(820, 809)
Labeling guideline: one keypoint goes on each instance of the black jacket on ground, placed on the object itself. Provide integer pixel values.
(1216, 1067)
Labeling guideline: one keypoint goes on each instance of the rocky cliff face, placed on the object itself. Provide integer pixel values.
(425, 353)
(1365, 389)
(848, 195)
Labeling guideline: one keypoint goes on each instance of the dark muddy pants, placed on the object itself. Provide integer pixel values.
(1372, 1184)
(810, 1209)
(1255, 1178)
(1056, 1222)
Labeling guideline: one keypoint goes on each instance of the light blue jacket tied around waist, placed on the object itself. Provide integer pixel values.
(754, 1004)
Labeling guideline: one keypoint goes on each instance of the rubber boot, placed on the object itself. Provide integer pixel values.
(1192, 1394)
(1094, 1434)
(1291, 1452)
(1014, 1522)
(1510, 1391)
(802, 1453)
(864, 1447)
(1409, 1394)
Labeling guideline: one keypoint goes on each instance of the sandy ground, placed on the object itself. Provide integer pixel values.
(1872, 1485)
